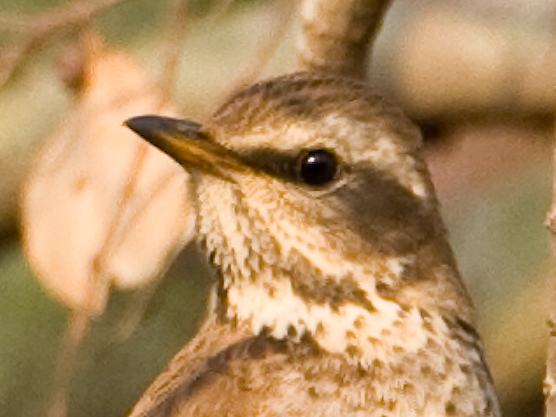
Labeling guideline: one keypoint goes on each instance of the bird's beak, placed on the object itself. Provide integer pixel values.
(184, 141)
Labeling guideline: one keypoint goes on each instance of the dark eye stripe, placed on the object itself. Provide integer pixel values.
(271, 162)
(313, 167)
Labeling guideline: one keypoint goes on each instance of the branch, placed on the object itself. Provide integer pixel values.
(549, 386)
(336, 34)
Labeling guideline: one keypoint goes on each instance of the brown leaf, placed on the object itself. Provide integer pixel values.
(101, 207)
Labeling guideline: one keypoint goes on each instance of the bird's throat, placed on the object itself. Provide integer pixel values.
(364, 330)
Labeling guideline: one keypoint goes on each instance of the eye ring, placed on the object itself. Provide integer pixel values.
(318, 167)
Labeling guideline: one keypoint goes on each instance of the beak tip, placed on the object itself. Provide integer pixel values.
(151, 127)
(144, 126)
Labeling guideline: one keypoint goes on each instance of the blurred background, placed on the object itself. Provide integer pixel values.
(476, 75)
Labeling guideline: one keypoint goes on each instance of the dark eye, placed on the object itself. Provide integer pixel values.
(318, 167)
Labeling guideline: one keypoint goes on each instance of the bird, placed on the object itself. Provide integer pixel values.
(336, 291)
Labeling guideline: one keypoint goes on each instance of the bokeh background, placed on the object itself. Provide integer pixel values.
(476, 75)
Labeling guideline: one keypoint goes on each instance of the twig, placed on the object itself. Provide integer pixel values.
(38, 28)
(219, 10)
(51, 20)
(66, 364)
(11, 58)
(177, 24)
(267, 49)
(133, 316)
(549, 386)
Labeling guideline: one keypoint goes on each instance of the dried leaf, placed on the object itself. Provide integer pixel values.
(101, 207)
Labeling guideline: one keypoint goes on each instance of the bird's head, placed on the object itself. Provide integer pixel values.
(315, 206)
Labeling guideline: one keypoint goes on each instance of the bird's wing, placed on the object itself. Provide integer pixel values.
(225, 372)
(177, 382)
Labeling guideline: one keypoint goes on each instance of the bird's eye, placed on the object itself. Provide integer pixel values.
(318, 167)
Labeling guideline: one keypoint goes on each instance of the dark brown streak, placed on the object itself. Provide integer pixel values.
(312, 286)
(464, 332)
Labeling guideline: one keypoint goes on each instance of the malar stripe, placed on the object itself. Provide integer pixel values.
(332, 292)
(312, 285)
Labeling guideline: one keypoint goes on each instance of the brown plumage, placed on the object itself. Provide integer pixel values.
(337, 293)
